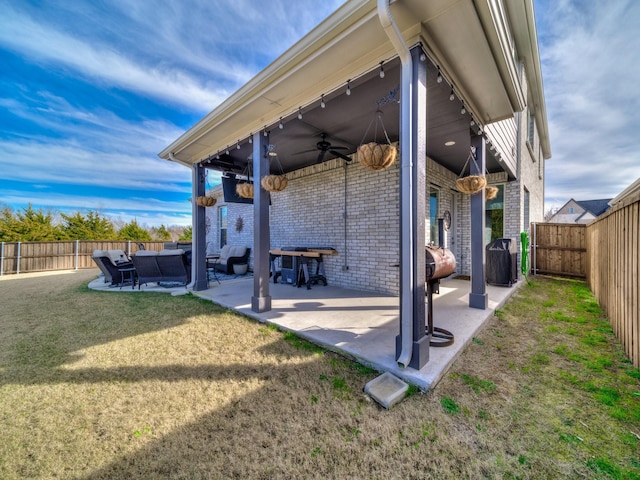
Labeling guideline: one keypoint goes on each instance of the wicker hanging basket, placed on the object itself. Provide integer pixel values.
(471, 183)
(374, 155)
(245, 190)
(206, 201)
(377, 156)
(490, 192)
(274, 183)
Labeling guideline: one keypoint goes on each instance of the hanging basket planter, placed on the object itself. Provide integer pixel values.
(377, 156)
(374, 155)
(245, 190)
(274, 183)
(490, 192)
(471, 183)
(206, 201)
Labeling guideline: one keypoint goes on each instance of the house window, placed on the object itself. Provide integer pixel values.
(571, 210)
(434, 195)
(494, 216)
(222, 225)
(531, 129)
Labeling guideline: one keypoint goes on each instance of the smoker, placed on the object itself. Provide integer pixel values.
(440, 263)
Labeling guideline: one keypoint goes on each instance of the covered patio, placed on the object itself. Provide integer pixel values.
(363, 325)
(441, 73)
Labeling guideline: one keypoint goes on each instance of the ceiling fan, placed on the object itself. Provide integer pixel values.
(324, 146)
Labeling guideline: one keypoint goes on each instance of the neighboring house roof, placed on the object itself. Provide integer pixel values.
(595, 207)
(468, 41)
(584, 211)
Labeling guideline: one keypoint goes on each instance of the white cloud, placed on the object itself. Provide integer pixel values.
(590, 67)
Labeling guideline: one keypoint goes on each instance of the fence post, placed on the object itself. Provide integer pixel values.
(18, 259)
(77, 251)
(128, 248)
(2, 259)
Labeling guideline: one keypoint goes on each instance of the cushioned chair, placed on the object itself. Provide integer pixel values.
(98, 256)
(105, 261)
(165, 266)
(146, 266)
(174, 266)
(229, 256)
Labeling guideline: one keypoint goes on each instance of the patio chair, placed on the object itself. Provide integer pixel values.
(173, 266)
(229, 256)
(112, 272)
(146, 267)
(97, 259)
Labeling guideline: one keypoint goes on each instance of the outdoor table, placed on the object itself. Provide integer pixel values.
(305, 256)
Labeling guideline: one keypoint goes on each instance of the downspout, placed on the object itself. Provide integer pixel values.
(406, 247)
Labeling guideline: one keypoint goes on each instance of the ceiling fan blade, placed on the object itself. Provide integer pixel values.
(305, 151)
(338, 154)
(321, 156)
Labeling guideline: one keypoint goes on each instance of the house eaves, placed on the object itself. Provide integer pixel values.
(522, 19)
(464, 37)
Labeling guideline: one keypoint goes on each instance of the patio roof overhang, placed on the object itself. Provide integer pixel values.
(468, 40)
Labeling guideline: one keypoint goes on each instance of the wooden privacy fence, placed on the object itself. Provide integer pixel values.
(559, 249)
(613, 242)
(24, 257)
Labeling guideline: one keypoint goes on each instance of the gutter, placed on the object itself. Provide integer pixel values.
(406, 235)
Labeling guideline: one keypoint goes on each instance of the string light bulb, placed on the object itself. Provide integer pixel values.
(280, 125)
(250, 137)
(299, 113)
(348, 87)
(322, 104)
(227, 150)
(472, 123)
(452, 97)
(265, 133)
(238, 145)
(463, 110)
(381, 70)
(439, 77)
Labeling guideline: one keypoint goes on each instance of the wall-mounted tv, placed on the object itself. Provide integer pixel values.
(229, 182)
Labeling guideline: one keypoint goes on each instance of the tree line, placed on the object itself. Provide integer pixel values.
(37, 225)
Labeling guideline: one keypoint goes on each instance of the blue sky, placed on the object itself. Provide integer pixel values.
(90, 92)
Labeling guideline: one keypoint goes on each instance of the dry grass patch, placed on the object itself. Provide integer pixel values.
(104, 385)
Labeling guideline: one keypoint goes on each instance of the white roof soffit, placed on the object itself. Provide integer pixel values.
(347, 44)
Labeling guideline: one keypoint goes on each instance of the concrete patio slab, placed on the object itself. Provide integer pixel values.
(363, 325)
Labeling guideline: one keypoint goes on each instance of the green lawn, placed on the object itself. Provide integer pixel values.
(121, 385)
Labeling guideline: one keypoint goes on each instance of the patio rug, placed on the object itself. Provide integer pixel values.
(226, 276)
